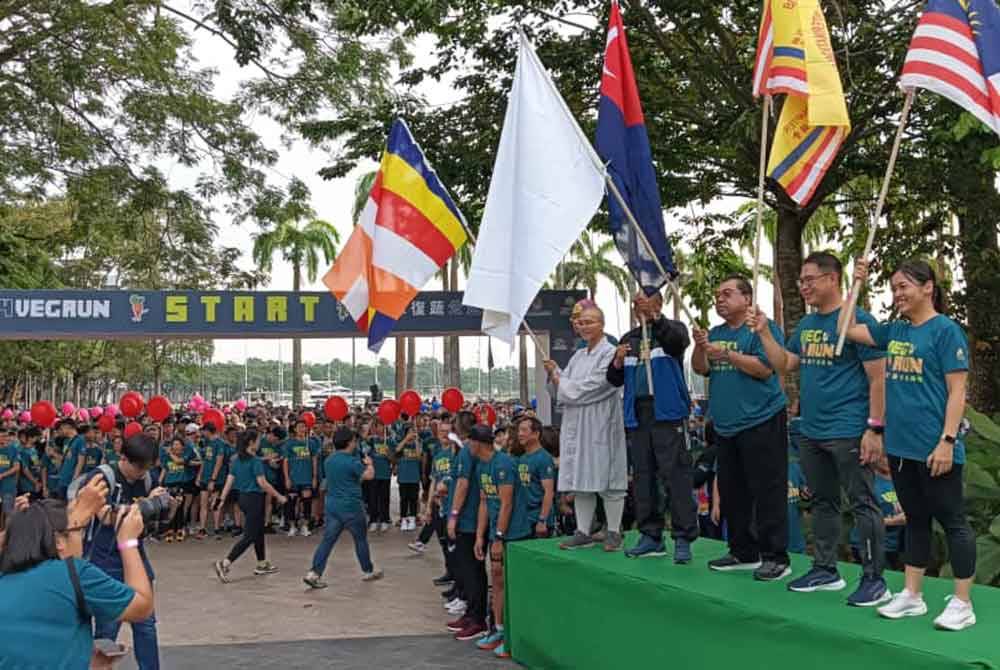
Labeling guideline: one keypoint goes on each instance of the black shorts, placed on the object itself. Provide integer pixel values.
(299, 490)
(232, 498)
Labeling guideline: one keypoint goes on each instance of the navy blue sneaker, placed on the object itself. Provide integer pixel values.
(817, 579)
(871, 591)
(682, 551)
(647, 548)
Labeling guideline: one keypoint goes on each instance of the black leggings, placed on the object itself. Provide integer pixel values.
(252, 506)
(408, 494)
(378, 504)
(925, 498)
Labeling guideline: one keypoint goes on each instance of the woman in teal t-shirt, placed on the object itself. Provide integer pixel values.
(926, 371)
(43, 627)
(246, 474)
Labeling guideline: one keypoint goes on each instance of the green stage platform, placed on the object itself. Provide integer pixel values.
(590, 610)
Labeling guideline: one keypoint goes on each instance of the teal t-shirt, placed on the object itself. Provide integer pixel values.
(47, 631)
(796, 540)
(834, 399)
(502, 470)
(533, 469)
(410, 459)
(52, 463)
(441, 458)
(736, 400)
(380, 450)
(466, 467)
(245, 472)
(94, 457)
(299, 455)
(110, 455)
(267, 450)
(10, 457)
(343, 482)
(30, 462)
(175, 472)
(75, 450)
(212, 451)
(916, 391)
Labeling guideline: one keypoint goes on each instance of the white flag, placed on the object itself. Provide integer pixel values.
(547, 183)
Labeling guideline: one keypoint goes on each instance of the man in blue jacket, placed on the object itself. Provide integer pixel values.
(656, 409)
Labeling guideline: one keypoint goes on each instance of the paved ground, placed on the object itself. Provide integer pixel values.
(275, 621)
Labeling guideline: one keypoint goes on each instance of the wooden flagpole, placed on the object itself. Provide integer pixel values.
(765, 110)
(852, 299)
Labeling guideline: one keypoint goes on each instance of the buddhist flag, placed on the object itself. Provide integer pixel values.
(795, 57)
(407, 231)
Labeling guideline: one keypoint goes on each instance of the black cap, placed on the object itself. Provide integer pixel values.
(481, 433)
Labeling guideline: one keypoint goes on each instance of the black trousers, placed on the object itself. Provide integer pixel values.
(408, 494)
(252, 506)
(753, 484)
(925, 498)
(378, 506)
(473, 582)
(660, 457)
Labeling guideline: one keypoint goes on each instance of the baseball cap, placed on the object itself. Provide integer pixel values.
(191, 428)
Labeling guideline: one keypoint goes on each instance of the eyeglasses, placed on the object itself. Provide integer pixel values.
(811, 280)
(588, 322)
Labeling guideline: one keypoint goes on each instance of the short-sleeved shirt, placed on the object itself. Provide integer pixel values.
(738, 401)
(796, 540)
(110, 455)
(834, 400)
(343, 484)
(410, 459)
(52, 463)
(94, 456)
(75, 450)
(916, 388)
(212, 451)
(885, 494)
(30, 463)
(533, 469)
(299, 455)
(441, 458)
(10, 457)
(267, 450)
(175, 472)
(380, 449)
(466, 467)
(47, 631)
(245, 472)
(501, 470)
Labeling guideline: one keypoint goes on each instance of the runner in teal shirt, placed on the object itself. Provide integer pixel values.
(245, 472)
(496, 470)
(10, 466)
(467, 468)
(380, 450)
(76, 449)
(536, 470)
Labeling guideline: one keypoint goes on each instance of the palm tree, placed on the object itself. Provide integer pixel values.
(300, 246)
(590, 260)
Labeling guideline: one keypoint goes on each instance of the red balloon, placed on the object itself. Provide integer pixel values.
(452, 399)
(106, 423)
(159, 408)
(388, 411)
(410, 402)
(131, 404)
(43, 413)
(309, 419)
(336, 408)
(133, 428)
(486, 414)
(215, 417)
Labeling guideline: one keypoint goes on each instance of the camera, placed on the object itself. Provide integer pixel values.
(155, 510)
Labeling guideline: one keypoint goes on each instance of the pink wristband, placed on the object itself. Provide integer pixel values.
(128, 544)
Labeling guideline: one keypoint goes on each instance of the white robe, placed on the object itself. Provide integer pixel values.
(592, 452)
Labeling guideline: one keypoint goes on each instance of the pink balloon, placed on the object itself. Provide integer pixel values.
(68, 408)
(226, 410)
(7, 414)
(241, 405)
(25, 416)
(111, 409)
(96, 411)
(84, 415)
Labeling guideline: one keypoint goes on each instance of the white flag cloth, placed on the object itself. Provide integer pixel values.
(547, 184)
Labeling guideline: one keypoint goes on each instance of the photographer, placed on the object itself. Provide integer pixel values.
(131, 483)
(54, 594)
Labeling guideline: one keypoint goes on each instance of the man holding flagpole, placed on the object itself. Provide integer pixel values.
(650, 361)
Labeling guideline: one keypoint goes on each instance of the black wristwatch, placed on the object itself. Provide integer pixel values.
(498, 536)
(950, 439)
(878, 430)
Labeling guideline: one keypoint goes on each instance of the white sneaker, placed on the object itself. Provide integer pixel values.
(957, 615)
(417, 547)
(452, 603)
(382, 527)
(293, 531)
(413, 524)
(904, 604)
(304, 531)
(371, 576)
(372, 527)
(458, 609)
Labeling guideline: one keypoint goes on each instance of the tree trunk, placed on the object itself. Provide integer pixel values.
(411, 362)
(522, 367)
(787, 262)
(456, 362)
(400, 377)
(296, 346)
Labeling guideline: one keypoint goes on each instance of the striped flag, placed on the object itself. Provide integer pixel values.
(407, 231)
(955, 52)
(795, 57)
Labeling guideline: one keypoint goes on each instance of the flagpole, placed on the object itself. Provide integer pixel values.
(765, 109)
(852, 299)
(646, 244)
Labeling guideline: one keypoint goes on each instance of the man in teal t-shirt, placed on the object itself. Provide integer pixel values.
(73, 457)
(300, 479)
(343, 508)
(10, 468)
(536, 470)
(409, 460)
(380, 449)
(94, 454)
(747, 406)
(841, 405)
(462, 524)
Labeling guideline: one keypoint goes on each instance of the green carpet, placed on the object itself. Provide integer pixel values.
(587, 609)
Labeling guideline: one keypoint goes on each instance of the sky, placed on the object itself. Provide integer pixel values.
(333, 201)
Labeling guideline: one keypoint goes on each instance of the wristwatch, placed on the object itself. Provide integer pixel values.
(876, 426)
(950, 439)
(498, 536)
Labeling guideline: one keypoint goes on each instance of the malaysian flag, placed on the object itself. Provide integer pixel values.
(955, 52)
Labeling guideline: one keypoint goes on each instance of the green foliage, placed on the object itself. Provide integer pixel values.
(588, 261)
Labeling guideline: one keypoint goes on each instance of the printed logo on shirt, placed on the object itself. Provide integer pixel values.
(960, 354)
(488, 487)
(300, 452)
(816, 348)
(726, 366)
(902, 365)
(442, 465)
(793, 493)
(524, 473)
(4, 461)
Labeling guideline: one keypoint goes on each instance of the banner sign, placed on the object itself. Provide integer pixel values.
(77, 314)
